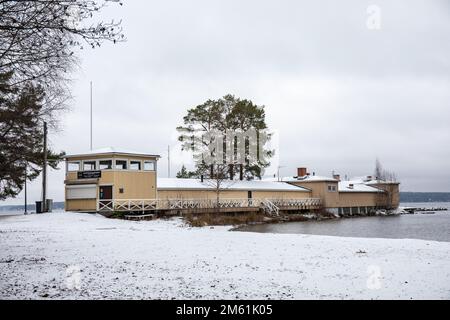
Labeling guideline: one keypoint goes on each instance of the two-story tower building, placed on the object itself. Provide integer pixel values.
(102, 175)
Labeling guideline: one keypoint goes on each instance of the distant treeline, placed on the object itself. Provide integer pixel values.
(30, 207)
(424, 196)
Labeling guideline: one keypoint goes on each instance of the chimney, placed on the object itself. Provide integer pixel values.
(337, 177)
(201, 178)
(350, 186)
(301, 172)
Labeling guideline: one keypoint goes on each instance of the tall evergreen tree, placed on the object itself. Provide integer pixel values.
(226, 115)
(21, 136)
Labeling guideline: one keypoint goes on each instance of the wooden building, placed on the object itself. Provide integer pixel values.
(230, 189)
(95, 178)
(111, 180)
(355, 196)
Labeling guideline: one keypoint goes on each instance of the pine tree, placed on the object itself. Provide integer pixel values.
(21, 136)
(226, 115)
(185, 174)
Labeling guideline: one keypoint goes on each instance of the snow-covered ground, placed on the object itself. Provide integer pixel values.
(82, 256)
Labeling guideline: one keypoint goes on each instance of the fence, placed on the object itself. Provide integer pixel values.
(271, 206)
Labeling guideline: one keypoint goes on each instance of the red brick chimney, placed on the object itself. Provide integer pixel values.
(301, 172)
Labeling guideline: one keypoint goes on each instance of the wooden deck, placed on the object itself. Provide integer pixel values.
(186, 206)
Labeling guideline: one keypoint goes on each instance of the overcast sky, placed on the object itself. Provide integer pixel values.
(337, 93)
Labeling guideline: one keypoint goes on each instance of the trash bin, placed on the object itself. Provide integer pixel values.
(38, 206)
(49, 205)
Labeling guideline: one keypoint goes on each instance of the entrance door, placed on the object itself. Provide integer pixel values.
(105, 197)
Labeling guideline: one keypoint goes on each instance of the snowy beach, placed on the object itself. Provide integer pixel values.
(83, 256)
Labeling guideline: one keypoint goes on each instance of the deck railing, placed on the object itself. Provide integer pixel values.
(309, 203)
(146, 205)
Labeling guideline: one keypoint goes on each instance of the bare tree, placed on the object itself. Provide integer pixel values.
(378, 169)
(382, 174)
(219, 180)
(38, 39)
(387, 181)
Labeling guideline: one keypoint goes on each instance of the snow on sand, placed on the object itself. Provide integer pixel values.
(82, 256)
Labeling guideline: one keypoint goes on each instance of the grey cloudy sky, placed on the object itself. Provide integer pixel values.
(337, 93)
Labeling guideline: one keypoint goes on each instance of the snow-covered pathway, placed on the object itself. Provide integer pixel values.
(82, 256)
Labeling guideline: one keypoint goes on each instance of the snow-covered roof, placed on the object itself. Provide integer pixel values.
(374, 182)
(254, 185)
(310, 178)
(358, 186)
(111, 150)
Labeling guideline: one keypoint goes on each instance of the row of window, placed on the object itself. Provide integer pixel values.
(110, 164)
(332, 188)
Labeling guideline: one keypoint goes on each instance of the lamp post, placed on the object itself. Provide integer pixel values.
(25, 189)
(44, 172)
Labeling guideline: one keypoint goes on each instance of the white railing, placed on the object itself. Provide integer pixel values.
(144, 205)
(308, 203)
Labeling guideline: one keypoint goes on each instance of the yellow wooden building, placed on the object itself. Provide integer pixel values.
(111, 180)
(360, 195)
(173, 188)
(97, 177)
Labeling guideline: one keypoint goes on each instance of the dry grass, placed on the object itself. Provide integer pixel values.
(223, 219)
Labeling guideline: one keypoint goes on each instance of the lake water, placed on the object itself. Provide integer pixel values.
(418, 226)
(6, 214)
(10, 213)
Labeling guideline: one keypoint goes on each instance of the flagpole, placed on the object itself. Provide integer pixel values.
(91, 118)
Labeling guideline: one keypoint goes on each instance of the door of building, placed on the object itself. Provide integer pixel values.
(105, 197)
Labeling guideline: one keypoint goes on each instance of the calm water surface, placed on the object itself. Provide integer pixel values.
(418, 226)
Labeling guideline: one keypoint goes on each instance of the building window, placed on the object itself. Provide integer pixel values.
(73, 166)
(135, 165)
(332, 188)
(89, 165)
(149, 165)
(121, 164)
(105, 164)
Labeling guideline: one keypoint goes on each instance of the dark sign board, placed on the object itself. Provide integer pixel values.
(89, 174)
